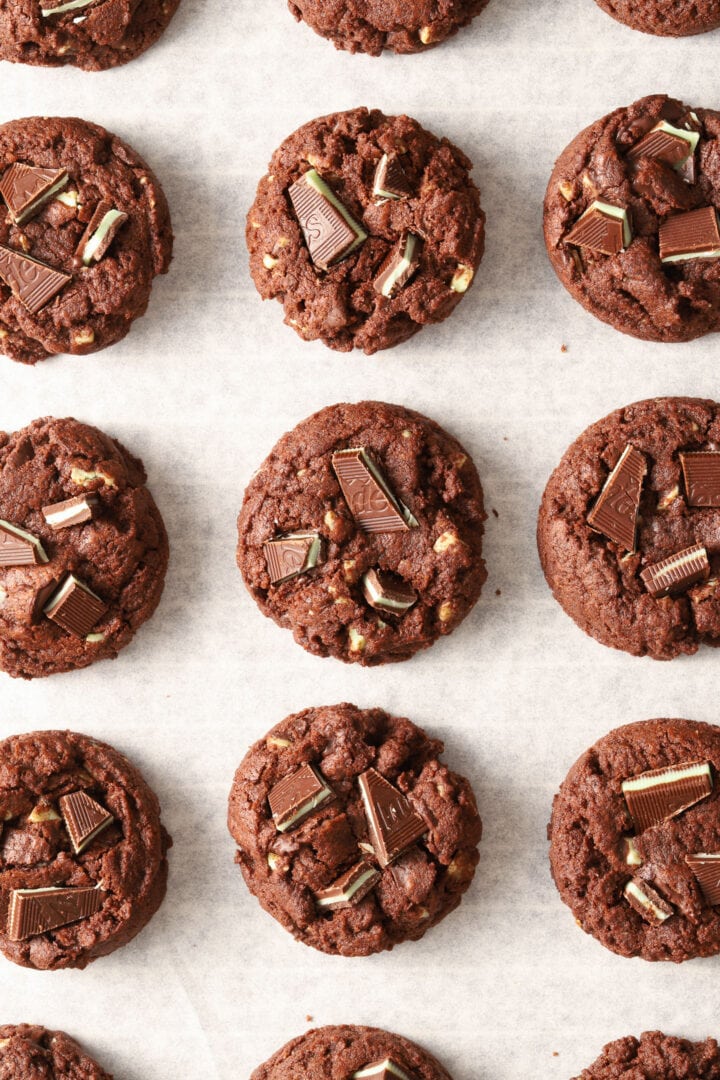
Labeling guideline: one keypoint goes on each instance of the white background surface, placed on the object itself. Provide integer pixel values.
(201, 389)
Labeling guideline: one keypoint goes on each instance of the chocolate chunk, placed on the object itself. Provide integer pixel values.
(647, 901)
(70, 512)
(19, 548)
(702, 477)
(390, 181)
(372, 504)
(296, 796)
(661, 794)
(84, 819)
(678, 572)
(288, 556)
(393, 823)
(100, 233)
(349, 889)
(75, 607)
(692, 235)
(615, 511)
(665, 143)
(330, 232)
(400, 265)
(706, 868)
(26, 189)
(32, 282)
(33, 911)
(603, 227)
(386, 594)
(387, 1069)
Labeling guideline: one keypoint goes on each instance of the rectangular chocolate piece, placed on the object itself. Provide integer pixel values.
(33, 911)
(387, 1069)
(296, 796)
(330, 232)
(31, 281)
(84, 819)
(26, 189)
(678, 572)
(701, 471)
(349, 889)
(647, 901)
(390, 180)
(692, 235)
(372, 504)
(70, 512)
(288, 556)
(75, 607)
(400, 265)
(660, 794)
(393, 823)
(386, 594)
(100, 233)
(18, 547)
(602, 227)
(706, 868)
(615, 512)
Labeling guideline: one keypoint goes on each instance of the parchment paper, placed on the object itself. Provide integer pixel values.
(508, 987)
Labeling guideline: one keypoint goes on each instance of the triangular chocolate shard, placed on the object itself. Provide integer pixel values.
(706, 868)
(26, 189)
(84, 819)
(655, 796)
(393, 823)
(387, 1069)
(19, 548)
(31, 281)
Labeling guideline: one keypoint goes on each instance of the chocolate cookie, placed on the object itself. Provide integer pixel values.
(83, 862)
(370, 27)
(629, 528)
(86, 228)
(350, 831)
(635, 840)
(346, 1051)
(366, 229)
(29, 1052)
(631, 222)
(656, 1056)
(91, 34)
(668, 18)
(83, 549)
(362, 533)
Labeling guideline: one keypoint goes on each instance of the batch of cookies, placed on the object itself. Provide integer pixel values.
(361, 533)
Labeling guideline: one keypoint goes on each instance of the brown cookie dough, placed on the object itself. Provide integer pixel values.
(120, 553)
(592, 860)
(340, 1052)
(633, 289)
(125, 863)
(667, 18)
(29, 1052)
(289, 868)
(657, 1057)
(369, 26)
(103, 34)
(439, 207)
(98, 305)
(598, 581)
(438, 559)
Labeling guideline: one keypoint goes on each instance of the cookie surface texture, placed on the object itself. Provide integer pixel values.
(662, 1057)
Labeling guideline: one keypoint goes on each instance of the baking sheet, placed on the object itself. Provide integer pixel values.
(507, 987)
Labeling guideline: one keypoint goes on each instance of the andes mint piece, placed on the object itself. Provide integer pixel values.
(19, 548)
(84, 819)
(288, 556)
(393, 823)
(631, 855)
(666, 143)
(33, 911)
(349, 889)
(660, 794)
(387, 1069)
(647, 901)
(400, 265)
(68, 5)
(32, 282)
(371, 502)
(296, 796)
(385, 594)
(390, 181)
(100, 233)
(701, 471)
(26, 189)
(694, 234)
(615, 512)
(706, 868)
(603, 227)
(677, 573)
(330, 232)
(70, 512)
(75, 607)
